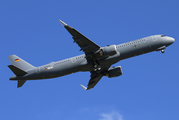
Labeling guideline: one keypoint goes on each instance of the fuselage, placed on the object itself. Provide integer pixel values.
(79, 63)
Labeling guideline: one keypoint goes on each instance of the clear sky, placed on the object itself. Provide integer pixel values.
(148, 88)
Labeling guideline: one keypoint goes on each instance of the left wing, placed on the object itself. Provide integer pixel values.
(88, 46)
(93, 81)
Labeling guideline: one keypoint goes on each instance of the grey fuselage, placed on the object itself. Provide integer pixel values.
(79, 63)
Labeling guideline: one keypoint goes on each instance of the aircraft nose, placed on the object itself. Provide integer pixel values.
(172, 40)
(169, 41)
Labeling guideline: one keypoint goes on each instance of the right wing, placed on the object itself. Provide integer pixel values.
(88, 46)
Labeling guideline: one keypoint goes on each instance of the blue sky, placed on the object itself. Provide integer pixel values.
(148, 88)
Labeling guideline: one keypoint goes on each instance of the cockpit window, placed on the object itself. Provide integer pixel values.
(162, 35)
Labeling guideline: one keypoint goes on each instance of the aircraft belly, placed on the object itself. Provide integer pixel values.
(85, 66)
(107, 62)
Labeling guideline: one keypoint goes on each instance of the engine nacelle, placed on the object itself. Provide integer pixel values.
(114, 72)
(108, 51)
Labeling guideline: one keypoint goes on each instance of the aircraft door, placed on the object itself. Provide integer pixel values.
(73, 60)
(154, 38)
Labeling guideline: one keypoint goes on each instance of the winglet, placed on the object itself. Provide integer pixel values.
(83, 87)
(64, 24)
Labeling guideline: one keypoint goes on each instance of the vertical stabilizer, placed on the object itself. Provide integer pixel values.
(19, 67)
(20, 63)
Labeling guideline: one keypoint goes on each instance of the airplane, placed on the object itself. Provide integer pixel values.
(97, 60)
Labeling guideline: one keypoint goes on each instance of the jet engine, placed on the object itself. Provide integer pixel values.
(108, 51)
(114, 72)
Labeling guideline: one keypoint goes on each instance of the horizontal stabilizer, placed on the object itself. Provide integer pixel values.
(83, 87)
(17, 71)
(20, 83)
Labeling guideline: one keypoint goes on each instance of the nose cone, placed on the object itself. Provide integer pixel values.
(172, 40)
(169, 41)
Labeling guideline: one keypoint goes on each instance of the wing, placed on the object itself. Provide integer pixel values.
(93, 81)
(90, 49)
(95, 77)
(88, 46)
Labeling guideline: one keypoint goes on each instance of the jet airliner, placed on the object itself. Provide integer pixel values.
(97, 60)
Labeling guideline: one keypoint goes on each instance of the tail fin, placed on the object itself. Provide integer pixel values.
(19, 67)
(20, 63)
